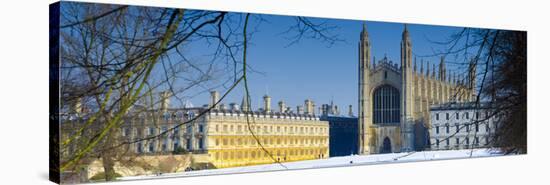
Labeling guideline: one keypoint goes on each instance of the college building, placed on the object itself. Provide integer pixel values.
(343, 132)
(462, 126)
(222, 136)
(394, 100)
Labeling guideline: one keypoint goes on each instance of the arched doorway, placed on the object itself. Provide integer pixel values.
(386, 146)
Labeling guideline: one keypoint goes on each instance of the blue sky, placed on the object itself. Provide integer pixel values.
(311, 69)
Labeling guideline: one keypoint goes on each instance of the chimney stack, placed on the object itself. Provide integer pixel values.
(312, 108)
(164, 100)
(350, 111)
(244, 104)
(233, 106)
(214, 98)
(267, 104)
(76, 107)
(282, 106)
(308, 104)
(299, 109)
(324, 109)
(222, 106)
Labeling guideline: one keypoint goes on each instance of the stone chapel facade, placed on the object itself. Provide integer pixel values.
(394, 101)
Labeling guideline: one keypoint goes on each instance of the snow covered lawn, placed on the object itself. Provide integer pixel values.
(334, 162)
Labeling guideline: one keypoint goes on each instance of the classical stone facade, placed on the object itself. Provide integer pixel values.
(226, 135)
(462, 125)
(286, 137)
(223, 134)
(394, 101)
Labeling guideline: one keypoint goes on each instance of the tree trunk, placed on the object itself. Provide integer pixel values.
(108, 166)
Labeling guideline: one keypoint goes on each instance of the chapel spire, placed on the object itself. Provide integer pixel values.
(364, 48)
(415, 64)
(421, 66)
(405, 32)
(428, 69)
(245, 104)
(406, 49)
(433, 72)
(407, 103)
(442, 70)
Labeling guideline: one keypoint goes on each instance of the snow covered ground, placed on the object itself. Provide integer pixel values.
(335, 161)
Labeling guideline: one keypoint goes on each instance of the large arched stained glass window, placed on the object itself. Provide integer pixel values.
(386, 105)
